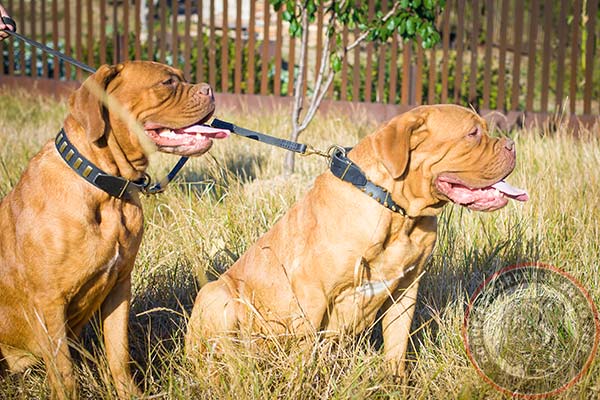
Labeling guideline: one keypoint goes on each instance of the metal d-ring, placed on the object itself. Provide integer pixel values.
(145, 184)
(332, 150)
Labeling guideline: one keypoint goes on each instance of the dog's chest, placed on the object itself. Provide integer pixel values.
(375, 277)
(372, 289)
(93, 286)
(356, 306)
(109, 270)
(114, 260)
(111, 265)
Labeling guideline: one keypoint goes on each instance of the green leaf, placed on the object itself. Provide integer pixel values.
(402, 29)
(410, 26)
(287, 16)
(391, 25)
(295, 29)
(336, 63)
(311, 9)
(276, 4)
(413, 18)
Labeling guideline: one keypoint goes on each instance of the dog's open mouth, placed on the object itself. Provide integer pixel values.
(191, 140)
(488, 198)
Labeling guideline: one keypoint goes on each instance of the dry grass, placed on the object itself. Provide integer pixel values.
(225, 200)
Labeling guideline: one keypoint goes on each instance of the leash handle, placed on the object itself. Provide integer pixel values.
(10, 22)
(217, 123)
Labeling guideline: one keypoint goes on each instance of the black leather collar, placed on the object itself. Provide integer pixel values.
(116, 186)
(342, 167)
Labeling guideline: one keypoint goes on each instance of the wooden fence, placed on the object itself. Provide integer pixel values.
(532, 56)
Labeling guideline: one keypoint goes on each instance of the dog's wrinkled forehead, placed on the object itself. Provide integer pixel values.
(146, 74)
(451, 120)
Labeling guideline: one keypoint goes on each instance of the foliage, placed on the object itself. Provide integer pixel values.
(410, 19)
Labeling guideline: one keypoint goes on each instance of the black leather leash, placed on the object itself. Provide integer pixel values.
(340, 165)
(113, 185)
(216, 123)
(11, 22)
(260, 137)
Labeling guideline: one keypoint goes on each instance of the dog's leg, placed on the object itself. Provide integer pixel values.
(396, 326)
(115, 316)
(54, 347)
(214, 317)
(312, 307)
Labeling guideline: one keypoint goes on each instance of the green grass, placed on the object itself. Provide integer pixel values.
(225, 200)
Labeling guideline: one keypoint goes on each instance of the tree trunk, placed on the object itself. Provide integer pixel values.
(289, 161)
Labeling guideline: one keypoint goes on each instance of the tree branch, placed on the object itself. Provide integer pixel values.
(319, 89)
(298, 90)
(366, 33)
(317, 101)
(322, 70)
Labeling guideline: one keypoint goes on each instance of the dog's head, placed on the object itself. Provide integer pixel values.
(444, 153)
(146, 105)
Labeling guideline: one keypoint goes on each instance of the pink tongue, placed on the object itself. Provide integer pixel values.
(207, 131)
(506, 188)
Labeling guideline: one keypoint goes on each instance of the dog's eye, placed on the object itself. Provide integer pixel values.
(474, 133)
(169, 82)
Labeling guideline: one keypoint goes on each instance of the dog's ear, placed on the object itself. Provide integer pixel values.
(86, 103)
(392, 142)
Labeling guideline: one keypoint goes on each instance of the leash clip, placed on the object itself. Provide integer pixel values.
(161, 185)
(210, 121)
(145, 186)
(156, 189)
(310, 150)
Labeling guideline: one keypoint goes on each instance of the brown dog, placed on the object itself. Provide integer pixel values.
(339, 256)
(67, 247)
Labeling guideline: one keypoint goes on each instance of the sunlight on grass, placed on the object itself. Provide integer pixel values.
(222, 202)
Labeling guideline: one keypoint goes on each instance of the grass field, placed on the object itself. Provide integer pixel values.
(225, 200)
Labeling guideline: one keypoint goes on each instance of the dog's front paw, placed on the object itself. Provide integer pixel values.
(129, 390)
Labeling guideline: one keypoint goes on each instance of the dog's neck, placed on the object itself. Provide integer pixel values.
(110, 155)
(412, 195)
